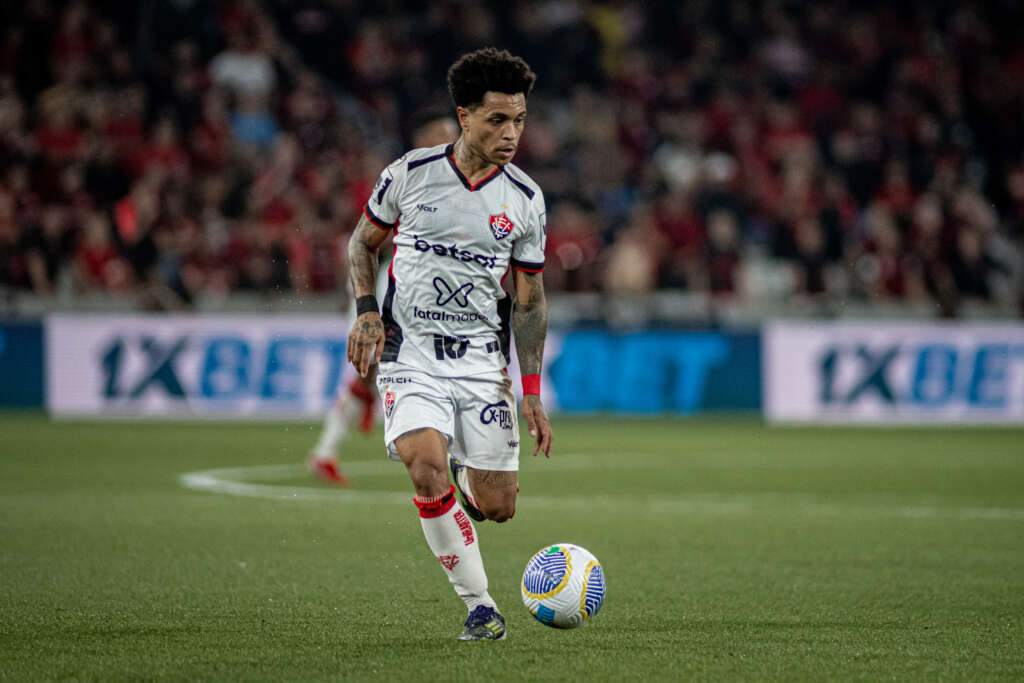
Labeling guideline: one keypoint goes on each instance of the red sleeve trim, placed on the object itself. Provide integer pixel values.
(527, 266)
(382, 224)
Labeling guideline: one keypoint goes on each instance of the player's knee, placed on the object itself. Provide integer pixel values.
(505, 514)
(499, 511)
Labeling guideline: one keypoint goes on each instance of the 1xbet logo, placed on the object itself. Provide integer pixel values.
(929, 375)
(497, 412)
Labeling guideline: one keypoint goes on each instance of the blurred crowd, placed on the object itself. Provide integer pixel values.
(172, 151)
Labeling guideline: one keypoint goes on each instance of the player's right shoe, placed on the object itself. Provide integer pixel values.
(484, 623)
(327, 469)
(465, 501)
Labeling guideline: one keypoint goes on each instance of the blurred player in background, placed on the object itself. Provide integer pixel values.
(354, 407)
(468, 217)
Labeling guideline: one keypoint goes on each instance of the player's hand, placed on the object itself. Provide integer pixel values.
(537, 421)
(365, 342)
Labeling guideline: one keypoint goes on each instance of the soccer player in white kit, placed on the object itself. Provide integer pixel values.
(463, 218)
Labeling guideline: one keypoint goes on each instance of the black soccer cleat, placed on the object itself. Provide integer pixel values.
(455, 467)
(484, 623)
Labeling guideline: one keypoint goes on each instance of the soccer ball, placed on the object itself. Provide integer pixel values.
(563, 585)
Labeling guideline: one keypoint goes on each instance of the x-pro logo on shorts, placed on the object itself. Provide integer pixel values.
(445, 293)
(499, 413)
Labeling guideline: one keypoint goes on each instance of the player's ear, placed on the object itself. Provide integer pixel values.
(463, 115)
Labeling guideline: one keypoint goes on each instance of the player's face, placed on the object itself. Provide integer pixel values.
(492, 130)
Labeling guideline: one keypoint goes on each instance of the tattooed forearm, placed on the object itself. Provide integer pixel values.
(362, 257)
(530, 322)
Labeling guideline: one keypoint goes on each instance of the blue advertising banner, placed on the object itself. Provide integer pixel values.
(875, 372)
(194, 366)
(21, 364)
(657, 372)
(262, 366)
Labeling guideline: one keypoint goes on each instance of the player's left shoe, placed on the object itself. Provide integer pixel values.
(327, 469)
(484, 623)
(456, 467)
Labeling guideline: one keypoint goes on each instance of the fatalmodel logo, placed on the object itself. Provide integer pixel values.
(446, 293)
(445, 316)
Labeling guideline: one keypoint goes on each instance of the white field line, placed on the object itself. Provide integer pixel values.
(250, 482)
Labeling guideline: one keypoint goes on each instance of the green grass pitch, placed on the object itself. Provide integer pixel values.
(733, 551)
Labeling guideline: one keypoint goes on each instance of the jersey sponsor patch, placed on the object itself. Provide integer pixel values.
(446, 292)
(499, 413)
(448, 317)
(501, 226)
(455, 252)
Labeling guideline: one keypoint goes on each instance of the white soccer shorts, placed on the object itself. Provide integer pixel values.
(477, 414)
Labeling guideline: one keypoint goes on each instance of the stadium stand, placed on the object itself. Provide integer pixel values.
(183, 155)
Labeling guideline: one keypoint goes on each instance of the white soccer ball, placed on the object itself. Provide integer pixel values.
(563, 585)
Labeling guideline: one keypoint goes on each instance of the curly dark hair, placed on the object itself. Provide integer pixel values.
(488, 70)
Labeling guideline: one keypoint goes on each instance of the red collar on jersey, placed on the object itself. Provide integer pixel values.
(448, 152)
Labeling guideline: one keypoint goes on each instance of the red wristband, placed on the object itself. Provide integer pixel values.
(531, 384)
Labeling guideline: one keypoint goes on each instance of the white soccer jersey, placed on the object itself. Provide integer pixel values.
(445, 310)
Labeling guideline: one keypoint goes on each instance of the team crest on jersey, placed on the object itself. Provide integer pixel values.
(501, 226)
(389, 403)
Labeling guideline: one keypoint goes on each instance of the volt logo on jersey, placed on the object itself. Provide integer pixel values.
(501, 226)
(446, 293)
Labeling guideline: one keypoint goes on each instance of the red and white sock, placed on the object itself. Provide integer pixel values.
(452, 538)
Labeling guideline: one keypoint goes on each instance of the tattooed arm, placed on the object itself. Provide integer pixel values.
(366, 340)
(530, 325)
